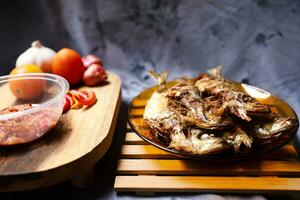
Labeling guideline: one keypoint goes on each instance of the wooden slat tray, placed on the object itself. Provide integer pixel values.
(144, 168)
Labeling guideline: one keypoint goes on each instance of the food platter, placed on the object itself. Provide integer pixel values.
(137, 123)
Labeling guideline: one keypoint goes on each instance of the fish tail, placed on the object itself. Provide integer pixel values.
(160, 78)
(216, 71)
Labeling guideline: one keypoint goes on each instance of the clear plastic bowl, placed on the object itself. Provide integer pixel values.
(43, 96)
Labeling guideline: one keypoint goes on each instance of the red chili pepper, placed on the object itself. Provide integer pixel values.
(76, 104)
(68, 101)
(74, 93)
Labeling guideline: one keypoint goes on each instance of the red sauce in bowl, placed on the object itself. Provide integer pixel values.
(27, 127)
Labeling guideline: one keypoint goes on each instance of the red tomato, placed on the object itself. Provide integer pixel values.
(67, 63)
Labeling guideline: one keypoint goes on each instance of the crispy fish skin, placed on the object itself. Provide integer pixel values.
(239, 140)
(214, 83)
(268, 131)
(202, 113)
(198, 143)
(158, 102)
(165, 124)
(243, 105)
(239, 103)
(157, 114)
(171, 124)
(169, 127)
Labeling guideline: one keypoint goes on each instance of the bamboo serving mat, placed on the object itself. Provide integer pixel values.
(144, 168)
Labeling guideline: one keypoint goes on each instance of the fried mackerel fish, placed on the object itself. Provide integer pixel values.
(238, 103)
(211, 115)
(173, 126)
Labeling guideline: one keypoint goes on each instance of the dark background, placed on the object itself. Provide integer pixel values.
(256, 41)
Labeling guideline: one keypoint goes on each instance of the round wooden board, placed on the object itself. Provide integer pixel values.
(70, 150)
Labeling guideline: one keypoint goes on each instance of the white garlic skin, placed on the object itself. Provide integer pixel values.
(38, 55)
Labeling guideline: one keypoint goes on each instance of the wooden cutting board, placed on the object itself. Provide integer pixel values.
(70, 150)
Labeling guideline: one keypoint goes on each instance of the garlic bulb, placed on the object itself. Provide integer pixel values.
(38, 55)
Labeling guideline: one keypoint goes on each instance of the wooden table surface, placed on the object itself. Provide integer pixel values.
(70, 150)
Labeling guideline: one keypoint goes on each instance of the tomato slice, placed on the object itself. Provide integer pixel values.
(68, 101)
(84, 96)
(69, 97)
(89, 97)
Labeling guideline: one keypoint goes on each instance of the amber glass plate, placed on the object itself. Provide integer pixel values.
(137, 123)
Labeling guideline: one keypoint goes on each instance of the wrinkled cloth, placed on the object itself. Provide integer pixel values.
(256, 41)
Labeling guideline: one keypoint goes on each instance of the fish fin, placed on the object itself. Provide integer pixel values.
(160, 78)
(216, 71)
(242, 113)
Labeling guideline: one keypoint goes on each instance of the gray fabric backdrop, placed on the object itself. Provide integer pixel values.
(256, 41)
